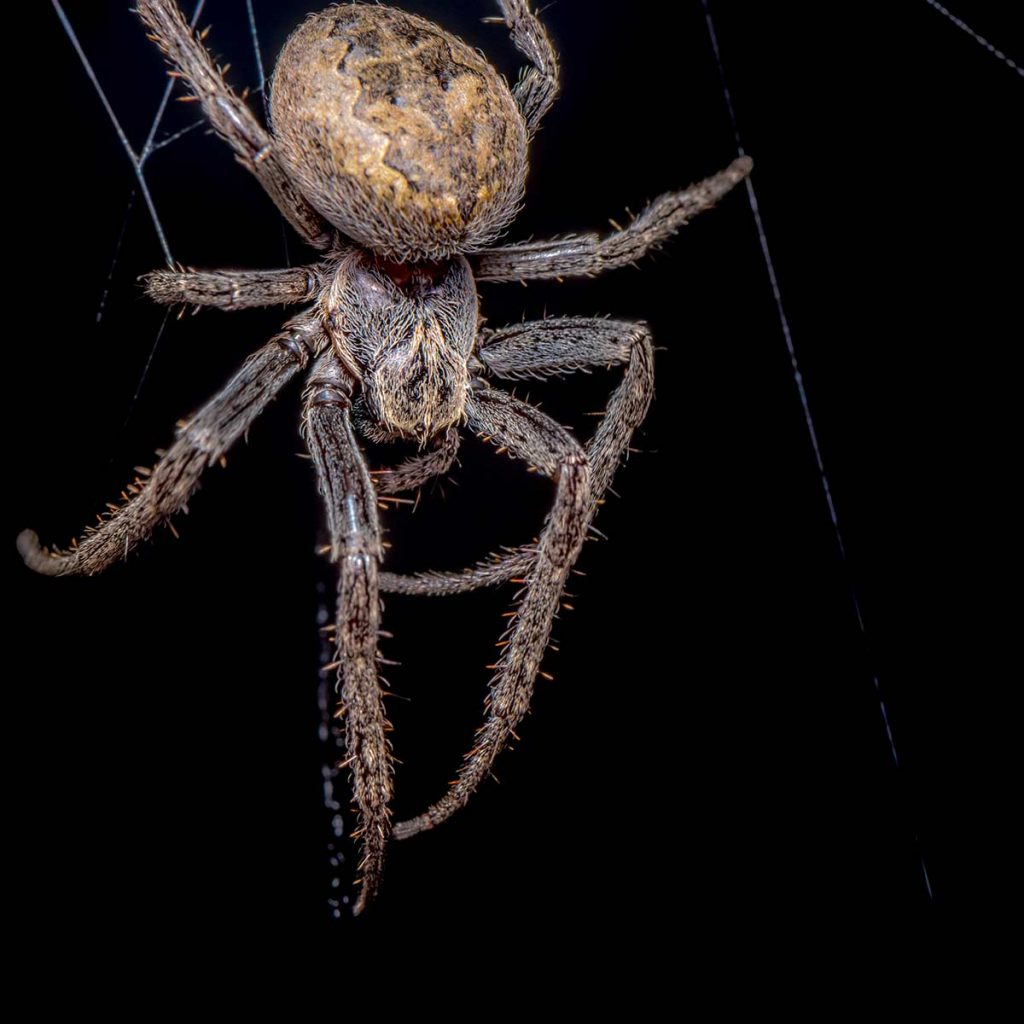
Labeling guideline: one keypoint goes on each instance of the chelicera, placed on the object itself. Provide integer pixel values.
(400, 155)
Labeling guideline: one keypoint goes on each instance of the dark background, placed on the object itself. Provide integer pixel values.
(711, 754)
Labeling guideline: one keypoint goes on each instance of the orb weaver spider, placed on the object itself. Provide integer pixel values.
(400, 155)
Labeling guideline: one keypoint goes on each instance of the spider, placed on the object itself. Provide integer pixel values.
(400, 154)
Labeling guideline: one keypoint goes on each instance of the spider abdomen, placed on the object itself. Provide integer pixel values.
(400, 134)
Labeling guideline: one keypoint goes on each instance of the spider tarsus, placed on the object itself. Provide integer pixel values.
(739, 168)
(35, 556)
(407, 829)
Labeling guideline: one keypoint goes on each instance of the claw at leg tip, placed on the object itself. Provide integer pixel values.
(32, 552)
(742, 166)
(28, 544)
(36, 557)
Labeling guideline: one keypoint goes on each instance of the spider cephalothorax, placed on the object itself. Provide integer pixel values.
(411, 328)
(399, 153)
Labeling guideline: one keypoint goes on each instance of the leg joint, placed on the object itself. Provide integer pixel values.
(294, 343)
(330, 383)
(572, 463)
(640, 332)
(330, 395)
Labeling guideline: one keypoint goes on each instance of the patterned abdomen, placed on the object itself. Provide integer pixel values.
(401, 135)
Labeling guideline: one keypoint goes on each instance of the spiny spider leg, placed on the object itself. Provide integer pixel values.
(545, 348)
(564, 345)
(234, 289)
(351, 504)
(490, 572)
(538, 84)
(418, 469)
(156, 495)
(229, 116)
(530, 435)
(586, 255)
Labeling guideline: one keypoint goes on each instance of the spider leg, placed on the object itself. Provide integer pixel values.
(528, 434)
(233, 289)
(587, 255)
(538, 84)
(417, 470)
(356, 547)
(489, 572)
(557, 346)
(155, 495)
(232, 120)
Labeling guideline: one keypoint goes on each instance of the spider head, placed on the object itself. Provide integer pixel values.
(399, 134)
(411, 327)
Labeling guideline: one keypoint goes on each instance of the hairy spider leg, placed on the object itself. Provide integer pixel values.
(587, 255)
(537, 86)
(234, 289)
(529, 434)
(157, 494)
(416, 470)
(542, 348)
(351, 504)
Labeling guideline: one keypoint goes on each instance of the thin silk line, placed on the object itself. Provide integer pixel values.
(147, 150)
(145, 369)
(177, 135)
(136, 164)
(259, 55)
(137, 161)
(149, 147)
(979, 39)
(805, 405)
(118, 242)
(257, 51)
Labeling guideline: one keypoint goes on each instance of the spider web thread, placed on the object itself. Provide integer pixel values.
(979, 39)
(138, 162)
(808, 417)
(261, 88)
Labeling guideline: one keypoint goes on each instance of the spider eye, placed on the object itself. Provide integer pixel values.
(399, 134)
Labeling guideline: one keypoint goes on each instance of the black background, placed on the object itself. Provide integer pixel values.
(711, 754)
